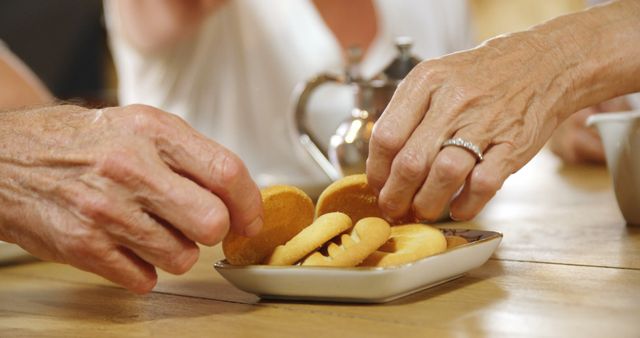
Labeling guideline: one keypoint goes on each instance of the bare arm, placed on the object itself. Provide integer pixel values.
(151, 25)
(599, 50)
(18, 86)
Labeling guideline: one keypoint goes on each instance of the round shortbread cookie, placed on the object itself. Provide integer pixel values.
(310, 238)
(287, 210)
(408, 243)
(353, 196)
(365, 238)
(454, 241)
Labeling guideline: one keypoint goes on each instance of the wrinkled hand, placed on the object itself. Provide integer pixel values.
(574, 142)
(504, 96)
(118, 191)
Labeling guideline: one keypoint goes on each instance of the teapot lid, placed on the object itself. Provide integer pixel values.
(403, 62)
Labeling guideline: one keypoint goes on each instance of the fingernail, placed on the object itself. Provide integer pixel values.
(253, 228)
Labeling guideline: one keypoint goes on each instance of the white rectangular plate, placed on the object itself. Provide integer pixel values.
(364, 284)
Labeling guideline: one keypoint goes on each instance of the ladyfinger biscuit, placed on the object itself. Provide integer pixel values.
(310, 238)
(365, 237)
(408, 243)
(287, 210)
(353, 196)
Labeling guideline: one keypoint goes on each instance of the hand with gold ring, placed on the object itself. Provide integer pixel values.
(459, 125)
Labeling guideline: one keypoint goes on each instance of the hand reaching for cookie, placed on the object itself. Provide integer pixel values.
(459, 125)
(119, 191)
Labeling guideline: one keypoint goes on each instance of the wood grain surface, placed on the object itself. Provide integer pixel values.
(568, 266)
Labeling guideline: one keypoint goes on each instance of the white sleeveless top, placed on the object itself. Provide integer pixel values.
(233, 80)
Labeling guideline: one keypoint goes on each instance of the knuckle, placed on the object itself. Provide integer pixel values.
(385, 140)
(410, 165)
(119, 164)
(485, 184)
(226, 169)
(426, 71)
(93, 206)
(424, 68)
(142, 118)
(448, 168)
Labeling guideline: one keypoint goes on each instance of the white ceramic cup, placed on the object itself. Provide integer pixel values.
(620, 133)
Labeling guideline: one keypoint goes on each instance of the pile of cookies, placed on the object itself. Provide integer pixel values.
(344, 229)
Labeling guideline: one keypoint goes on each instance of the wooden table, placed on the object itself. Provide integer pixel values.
(568, 266)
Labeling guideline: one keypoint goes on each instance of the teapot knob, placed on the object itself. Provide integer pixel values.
(403, 62)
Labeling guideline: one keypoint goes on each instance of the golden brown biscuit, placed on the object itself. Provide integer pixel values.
(310, 238)
(367, 236)
(353, 196)
(408, 243)
(287, 210)
(454, 241)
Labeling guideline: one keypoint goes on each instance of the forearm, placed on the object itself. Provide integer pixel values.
(23, 153)
(598, 52)
(151, 25)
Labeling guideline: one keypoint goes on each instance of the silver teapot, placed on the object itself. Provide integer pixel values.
(349, 146)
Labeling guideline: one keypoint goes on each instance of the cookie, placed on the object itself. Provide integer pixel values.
(287, 210)
(365, 238)
(353, 196)
(408, 243)
(454, 241)
(310, 238)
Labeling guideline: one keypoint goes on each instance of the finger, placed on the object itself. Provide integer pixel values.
(448, 173)
(197, 213)
(122, 218)
(483, 182)
(409, 170)
(117, 265)
(215, 168)
(157, 244)
(396, 124)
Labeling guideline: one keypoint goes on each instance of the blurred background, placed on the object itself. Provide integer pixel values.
(64, 41)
